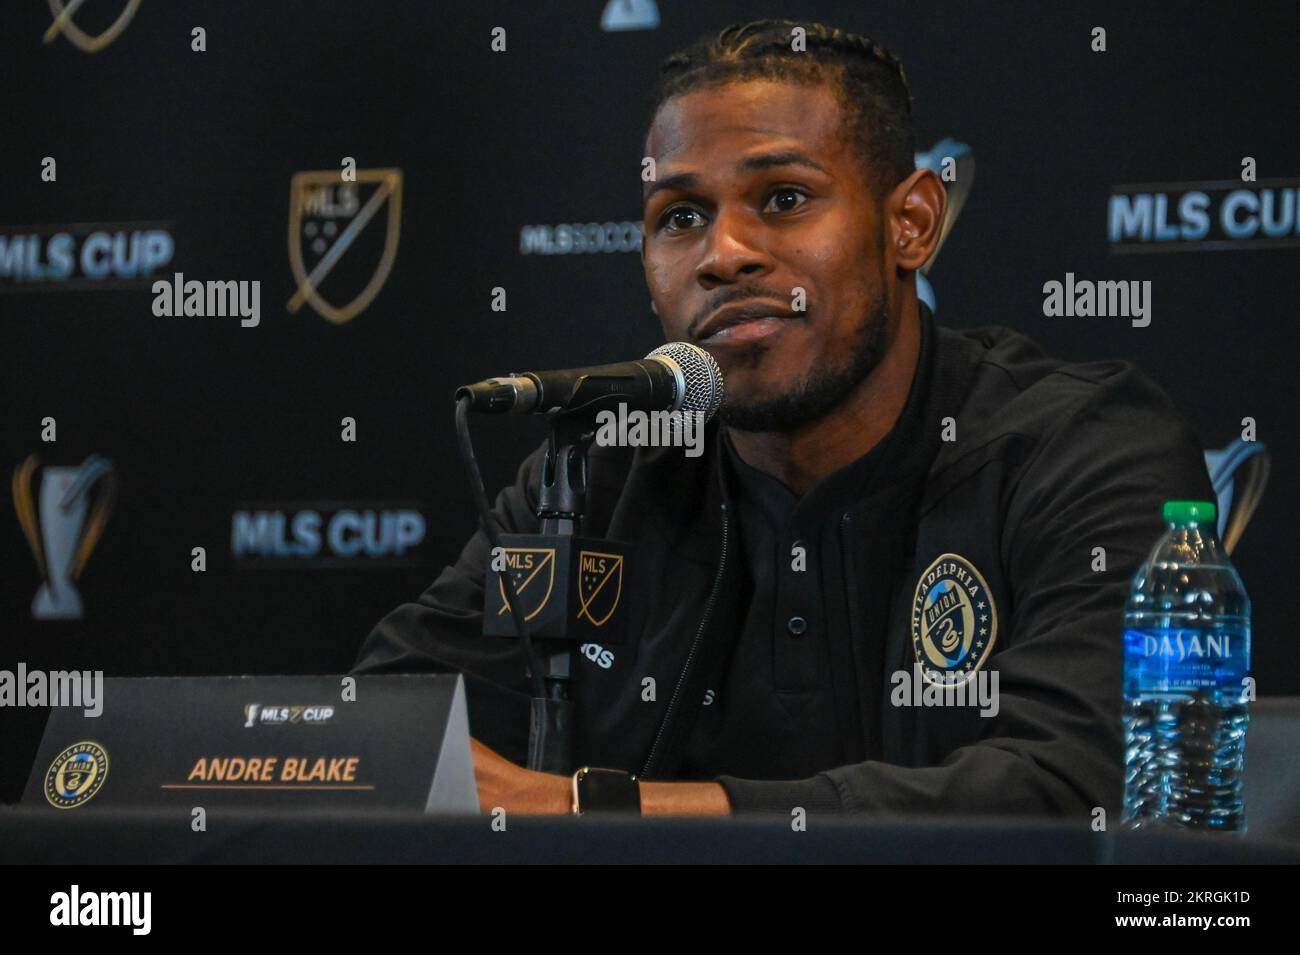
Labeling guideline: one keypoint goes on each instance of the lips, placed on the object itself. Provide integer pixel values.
(745, 322)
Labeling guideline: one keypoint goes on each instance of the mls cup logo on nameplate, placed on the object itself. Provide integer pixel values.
(339, 255)
(62, 522)
(600, 585)
(954, 163)
(65, 26)
(533, 571)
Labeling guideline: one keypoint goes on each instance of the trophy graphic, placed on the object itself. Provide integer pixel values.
(63, 528)
(962, 173)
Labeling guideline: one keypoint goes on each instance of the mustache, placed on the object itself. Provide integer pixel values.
(730, 296)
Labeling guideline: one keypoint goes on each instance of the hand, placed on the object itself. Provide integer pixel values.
(503, 784)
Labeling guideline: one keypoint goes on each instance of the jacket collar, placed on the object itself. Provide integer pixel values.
(945, 374)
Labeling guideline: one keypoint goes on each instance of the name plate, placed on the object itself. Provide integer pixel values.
(312, 742)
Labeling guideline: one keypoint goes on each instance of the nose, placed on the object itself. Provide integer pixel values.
(733, 252)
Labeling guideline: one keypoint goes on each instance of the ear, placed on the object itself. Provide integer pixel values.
(915, 211)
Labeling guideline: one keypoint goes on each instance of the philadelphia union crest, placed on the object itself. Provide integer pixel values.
(76, 775)
(954, 621)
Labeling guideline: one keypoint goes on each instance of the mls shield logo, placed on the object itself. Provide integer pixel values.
(64, 25)
(600, 585)
(330, 218)
(533, 571)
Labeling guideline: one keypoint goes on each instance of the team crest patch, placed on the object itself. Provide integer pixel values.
(954, 621)
(76, 775)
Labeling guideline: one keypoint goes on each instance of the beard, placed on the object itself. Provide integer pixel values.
(823, 388)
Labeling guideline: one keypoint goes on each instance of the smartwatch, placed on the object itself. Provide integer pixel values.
(605, 790)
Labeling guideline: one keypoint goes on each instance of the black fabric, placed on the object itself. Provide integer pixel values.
(1018, 463)
(778, 683)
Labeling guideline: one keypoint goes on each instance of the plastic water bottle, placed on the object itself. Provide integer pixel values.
(1186, 664)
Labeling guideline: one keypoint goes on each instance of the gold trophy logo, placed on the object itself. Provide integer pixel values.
(326, 215)
(63, 25)
(62, 526)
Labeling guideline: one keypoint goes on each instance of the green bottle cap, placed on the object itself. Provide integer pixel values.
(1183, 512)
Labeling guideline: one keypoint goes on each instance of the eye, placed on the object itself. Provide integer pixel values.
(785, 194)
(672, 223)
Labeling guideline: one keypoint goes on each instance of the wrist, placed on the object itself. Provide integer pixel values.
(558, 793)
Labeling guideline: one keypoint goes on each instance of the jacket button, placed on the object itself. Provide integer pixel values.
(797, 625)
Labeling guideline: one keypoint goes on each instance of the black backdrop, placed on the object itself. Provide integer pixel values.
(201, 417)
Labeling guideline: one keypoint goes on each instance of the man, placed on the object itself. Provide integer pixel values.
(886, 505)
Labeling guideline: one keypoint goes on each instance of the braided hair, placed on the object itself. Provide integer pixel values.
(867, 80)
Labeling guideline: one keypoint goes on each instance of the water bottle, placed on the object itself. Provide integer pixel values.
(1186, 664)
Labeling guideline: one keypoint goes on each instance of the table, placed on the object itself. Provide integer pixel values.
(39, 835)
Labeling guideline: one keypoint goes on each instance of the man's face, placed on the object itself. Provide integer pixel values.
(758, 192)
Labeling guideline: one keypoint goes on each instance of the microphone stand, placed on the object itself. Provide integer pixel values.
(560, 507)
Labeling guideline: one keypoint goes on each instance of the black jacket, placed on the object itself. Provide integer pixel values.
(1042, 463)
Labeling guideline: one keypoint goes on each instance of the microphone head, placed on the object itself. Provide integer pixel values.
(698, 375)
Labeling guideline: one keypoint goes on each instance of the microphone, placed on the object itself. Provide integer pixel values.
(678, 376)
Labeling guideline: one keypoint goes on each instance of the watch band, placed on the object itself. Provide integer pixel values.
(605, 791)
